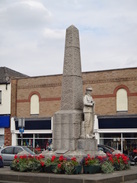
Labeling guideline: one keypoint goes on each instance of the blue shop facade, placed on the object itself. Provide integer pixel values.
(118, 131)
(4, 123)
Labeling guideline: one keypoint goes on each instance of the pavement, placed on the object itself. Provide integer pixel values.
(10, 176)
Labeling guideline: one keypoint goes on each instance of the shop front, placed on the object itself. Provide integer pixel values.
(4, 123)
(35, 134)
(119, 132)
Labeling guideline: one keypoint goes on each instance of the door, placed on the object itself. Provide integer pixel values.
(7, 155)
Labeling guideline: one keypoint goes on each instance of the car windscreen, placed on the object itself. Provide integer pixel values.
(111, 148)
(28, 150)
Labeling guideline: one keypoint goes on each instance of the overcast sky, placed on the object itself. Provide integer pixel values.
(32, 34)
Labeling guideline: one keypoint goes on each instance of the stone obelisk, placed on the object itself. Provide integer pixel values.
(67, 121)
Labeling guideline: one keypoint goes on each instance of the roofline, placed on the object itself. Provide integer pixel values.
(110, 70)
(83, 72)
(29, 77)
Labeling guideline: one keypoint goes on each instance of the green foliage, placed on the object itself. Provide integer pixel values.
(119, 161)
(65, 165)
(107, 167)
(88, 160)
(69, 167)
(28, 163)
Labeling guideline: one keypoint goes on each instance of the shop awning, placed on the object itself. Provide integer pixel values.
(117, 122)
(36, 124)
(4, 121)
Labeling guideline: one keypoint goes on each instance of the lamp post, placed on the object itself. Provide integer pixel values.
(21, 125)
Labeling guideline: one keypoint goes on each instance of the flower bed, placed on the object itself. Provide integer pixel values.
(64, 165)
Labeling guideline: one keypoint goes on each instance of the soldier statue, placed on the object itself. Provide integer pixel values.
(88, 110)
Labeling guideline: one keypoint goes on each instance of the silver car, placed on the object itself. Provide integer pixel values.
(9, 152)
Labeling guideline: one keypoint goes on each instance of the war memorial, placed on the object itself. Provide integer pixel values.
(70, 124)
(73, 133)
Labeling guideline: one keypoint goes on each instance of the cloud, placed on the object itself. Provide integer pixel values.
(53, 33)
(32, 34)
(24, 14)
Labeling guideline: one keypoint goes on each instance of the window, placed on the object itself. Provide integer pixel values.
(0, 97)
(122, 100)
(8, 150)
(36, 142)
(34, 104)
(1, 139)
(17, 150)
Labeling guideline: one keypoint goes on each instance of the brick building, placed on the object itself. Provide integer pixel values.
(6, 75)
(115, 94)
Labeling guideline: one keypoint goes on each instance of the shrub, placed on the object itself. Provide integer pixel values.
(88, 160)
(25, 163)
(107, 167)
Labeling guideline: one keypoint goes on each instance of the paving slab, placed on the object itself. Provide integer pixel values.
(28, 177)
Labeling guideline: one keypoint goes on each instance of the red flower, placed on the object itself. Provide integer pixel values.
(59, 165)
(15, 157)
(88, 157)
(109, 155)
(111, 159)
(30, 156)
(61, 158)
(41, 156)
(21, 157)
(36, 157)
(73, 159)
(86, 162)
(53, 158)
(100, 158)
(24, 156)
(42, 163)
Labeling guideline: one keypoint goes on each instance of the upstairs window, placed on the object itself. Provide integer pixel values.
(34, 104)
(0, 97)
(121, 100)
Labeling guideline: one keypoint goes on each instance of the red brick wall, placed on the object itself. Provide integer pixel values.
(48, 88)
(104, 84)
(7, 137)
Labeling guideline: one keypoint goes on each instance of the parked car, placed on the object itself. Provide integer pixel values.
(8, 153)
(1, 162)
(133, 157)
(106, 149)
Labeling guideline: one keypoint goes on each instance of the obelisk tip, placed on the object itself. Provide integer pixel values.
(72, 27)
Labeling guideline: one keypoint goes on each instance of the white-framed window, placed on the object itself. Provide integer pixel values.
(0, 97)
(36, 142)
(34, 104)
(121, 100)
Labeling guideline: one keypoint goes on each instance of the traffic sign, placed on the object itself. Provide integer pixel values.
(21, 130)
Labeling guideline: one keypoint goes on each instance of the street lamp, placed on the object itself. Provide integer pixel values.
(21, 125)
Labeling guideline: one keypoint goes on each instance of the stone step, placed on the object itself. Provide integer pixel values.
(131, 181)
(4, 181)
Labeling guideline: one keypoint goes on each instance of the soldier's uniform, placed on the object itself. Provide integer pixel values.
(88, 110)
